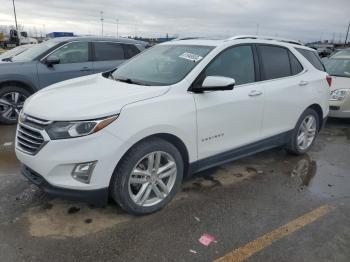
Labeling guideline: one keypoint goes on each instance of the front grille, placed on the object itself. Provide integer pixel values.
(335, 108)
(29, 134)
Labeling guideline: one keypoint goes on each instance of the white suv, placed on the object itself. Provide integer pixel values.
(134, 133)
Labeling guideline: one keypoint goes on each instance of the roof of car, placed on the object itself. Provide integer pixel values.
(96, 38)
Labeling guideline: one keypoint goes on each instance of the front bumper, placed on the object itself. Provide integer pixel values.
(56, 160)
(97, 197)
(340, 109)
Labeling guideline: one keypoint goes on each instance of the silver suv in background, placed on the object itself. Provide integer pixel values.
(57, 60)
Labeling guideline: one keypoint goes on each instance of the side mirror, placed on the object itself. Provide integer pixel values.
(52, 60)
(215, 83)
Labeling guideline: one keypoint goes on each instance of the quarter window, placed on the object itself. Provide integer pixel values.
(75, 52)
(312, 57)
(236, 62)
(275, 62)
(295, 64)
(105, 51)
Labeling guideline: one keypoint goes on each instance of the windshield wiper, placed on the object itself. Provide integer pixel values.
(8, 59)
(130, 81)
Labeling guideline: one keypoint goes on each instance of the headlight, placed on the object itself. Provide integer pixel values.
(63, 130)
(339, 94)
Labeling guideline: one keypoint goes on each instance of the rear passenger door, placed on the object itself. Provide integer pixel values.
(109, 55)
(286, 89)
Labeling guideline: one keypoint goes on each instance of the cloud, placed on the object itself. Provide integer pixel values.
(297, 19)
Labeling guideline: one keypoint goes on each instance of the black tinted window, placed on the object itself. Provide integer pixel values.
(313, 58)
(275, 62)
(236, 62)
(130, 51)
(105, 51)
(295, 64)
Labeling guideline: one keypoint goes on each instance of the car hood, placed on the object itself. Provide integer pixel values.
(87, 97)
(339, 82)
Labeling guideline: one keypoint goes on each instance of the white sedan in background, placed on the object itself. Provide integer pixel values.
(339, 68)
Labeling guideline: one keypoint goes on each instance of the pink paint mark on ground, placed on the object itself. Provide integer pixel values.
(206, 239)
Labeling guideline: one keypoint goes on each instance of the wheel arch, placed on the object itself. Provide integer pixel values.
(171, 138)
(319, 112)
(18, 83)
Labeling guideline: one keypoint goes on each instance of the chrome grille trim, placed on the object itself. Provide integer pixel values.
(28, 134)
(38, 121)
(30, 138)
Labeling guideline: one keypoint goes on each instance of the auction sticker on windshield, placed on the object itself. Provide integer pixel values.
(192, 57)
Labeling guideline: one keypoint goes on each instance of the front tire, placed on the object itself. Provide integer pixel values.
(147, 177)
(11, 103)
(305, 133)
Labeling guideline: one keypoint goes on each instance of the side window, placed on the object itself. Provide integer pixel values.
(275, 61)
(75, 52)
(236, 62)
(105, 51)
(312, 57)
(130, 50)
(295, 64)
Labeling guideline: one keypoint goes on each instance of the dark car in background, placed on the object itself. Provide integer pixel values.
(324, 51)
(57, 60)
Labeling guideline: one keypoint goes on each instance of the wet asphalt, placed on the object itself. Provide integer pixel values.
(235, 203)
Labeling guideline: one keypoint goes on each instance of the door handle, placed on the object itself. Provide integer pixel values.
(85, 68)
(255, 93)
(303, 83)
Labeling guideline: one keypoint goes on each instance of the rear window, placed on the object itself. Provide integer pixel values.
(275, 62)
(312, 57)
(130, 50)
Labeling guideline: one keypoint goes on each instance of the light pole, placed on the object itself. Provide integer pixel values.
(117, 22)
(347, 34)
(14, 10)
(101, 22)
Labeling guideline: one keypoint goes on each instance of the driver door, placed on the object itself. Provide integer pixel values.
(74, 62)
(230, 119)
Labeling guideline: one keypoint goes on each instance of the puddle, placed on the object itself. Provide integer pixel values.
(304, 171)
(224, 175)
(61, 219)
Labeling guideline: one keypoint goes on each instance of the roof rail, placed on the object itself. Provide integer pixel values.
(188, 38)
(285, 40)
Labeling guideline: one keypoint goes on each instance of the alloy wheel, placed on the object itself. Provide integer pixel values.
(11, 104)
(152, 179)
(307, 132)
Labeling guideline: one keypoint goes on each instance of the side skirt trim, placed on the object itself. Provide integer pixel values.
(234, 154)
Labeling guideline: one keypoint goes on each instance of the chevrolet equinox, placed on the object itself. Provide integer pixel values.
(134, 133)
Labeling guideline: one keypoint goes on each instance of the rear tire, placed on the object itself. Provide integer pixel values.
(304, 133)
(11, 103)
(141, 185)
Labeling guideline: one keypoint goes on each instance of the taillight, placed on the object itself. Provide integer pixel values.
(329, 80)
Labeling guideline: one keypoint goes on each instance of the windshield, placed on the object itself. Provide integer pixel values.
(34, 52)
(162, 65)
(338, 67)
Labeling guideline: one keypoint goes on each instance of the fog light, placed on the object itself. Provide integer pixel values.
(82, 172)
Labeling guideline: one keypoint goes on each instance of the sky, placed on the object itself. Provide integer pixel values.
(305, 20)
